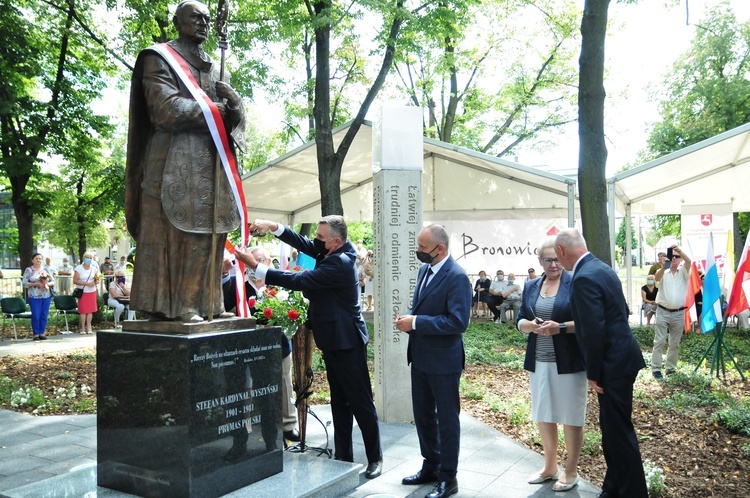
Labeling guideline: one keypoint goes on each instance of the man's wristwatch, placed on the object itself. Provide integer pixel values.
(563, 327)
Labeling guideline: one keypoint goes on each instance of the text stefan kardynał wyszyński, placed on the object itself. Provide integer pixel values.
(237, 397)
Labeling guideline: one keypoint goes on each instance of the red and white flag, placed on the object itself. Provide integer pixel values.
(738, 298)
(693, 286)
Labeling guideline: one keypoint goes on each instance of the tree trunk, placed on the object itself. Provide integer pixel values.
(329, 169)
(592, 158)
(24, 219)
(79, 220)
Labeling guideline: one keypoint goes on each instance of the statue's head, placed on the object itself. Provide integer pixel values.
(192, 21)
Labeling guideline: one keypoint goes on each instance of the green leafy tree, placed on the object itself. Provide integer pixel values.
(621, 237)
(483, 82)
(53, 69)
(705, 94)
(96, 192)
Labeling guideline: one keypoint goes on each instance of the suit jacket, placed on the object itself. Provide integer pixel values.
(333, 290)
(600, 312)
(567, 354)
(436, 346)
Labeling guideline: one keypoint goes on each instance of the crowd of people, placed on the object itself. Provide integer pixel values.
(494, 298)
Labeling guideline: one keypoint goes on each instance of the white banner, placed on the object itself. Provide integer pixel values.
(508, 245)
(698, 221)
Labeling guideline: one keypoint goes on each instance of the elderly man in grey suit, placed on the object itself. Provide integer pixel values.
(612, 358)
(436, 322)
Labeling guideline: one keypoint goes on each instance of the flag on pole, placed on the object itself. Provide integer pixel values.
(728, 276)
(711, 291)
(738, 298)
(284, 256)
(693, 286)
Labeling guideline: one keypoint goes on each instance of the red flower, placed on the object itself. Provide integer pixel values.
(251, 302)
(268, 313)
(272, 292)
(293, 314)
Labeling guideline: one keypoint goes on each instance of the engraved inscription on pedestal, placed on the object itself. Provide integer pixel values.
(188, 415)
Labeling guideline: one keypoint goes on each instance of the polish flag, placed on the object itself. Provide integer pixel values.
(738, 298)
(693, 286)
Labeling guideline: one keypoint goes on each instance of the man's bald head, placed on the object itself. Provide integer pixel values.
(570, 246)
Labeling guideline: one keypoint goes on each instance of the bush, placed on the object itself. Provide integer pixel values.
(654, 479)
(735, 418)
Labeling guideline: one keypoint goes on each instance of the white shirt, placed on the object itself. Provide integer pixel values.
(673, 288)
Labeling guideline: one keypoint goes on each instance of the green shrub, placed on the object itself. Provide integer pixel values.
(28, 397)
(645, 337)
(654, 479)
(7, 386)
(592, 443)
(518, 411)
(471, 390)
(494, 344)
(736, 418)
(690, 391)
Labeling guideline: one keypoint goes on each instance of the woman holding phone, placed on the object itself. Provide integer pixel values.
(558, 378)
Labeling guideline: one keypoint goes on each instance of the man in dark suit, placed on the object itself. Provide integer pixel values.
(436, 322)
(612, 359)
(339, 330)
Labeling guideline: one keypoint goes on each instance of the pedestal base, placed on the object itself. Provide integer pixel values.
(196, 415)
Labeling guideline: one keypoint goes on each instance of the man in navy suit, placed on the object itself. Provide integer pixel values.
(612, 359)
(339, 330)
(436, 322)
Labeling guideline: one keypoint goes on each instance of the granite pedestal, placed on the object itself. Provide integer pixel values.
(189, 415)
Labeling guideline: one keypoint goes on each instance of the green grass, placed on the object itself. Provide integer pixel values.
(471, 390)
(488, 343)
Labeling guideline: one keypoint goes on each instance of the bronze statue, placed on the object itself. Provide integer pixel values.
(172, 172)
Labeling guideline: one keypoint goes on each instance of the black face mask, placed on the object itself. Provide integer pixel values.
(320, 247)
(425, 257)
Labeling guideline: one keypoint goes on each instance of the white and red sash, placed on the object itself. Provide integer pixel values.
(221, 140)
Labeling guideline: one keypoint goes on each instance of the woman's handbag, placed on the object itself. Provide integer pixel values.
(78, 293)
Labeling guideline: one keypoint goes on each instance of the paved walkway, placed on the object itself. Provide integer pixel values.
(491, 465)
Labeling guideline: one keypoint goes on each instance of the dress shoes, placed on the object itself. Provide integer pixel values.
(374, 469)
(421, 477)
(292, 435)
(443, 489)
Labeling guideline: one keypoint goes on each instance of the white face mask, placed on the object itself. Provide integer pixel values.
(649, 282)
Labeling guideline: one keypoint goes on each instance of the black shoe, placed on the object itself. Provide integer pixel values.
(421, 477)
(668, 372)
(443, 489)
(42, 337)
(657, 375)
(374, 469)
(292, 435)
(36, 337)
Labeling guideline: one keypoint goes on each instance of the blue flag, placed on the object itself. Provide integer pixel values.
(711, 291)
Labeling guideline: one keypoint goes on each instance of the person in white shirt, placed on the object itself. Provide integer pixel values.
(670, 307)
(512, 298)
(122, 265)
(495, 298)
(49, 267)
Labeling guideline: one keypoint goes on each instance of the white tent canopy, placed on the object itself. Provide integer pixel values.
(458, 184)
(714, 171)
